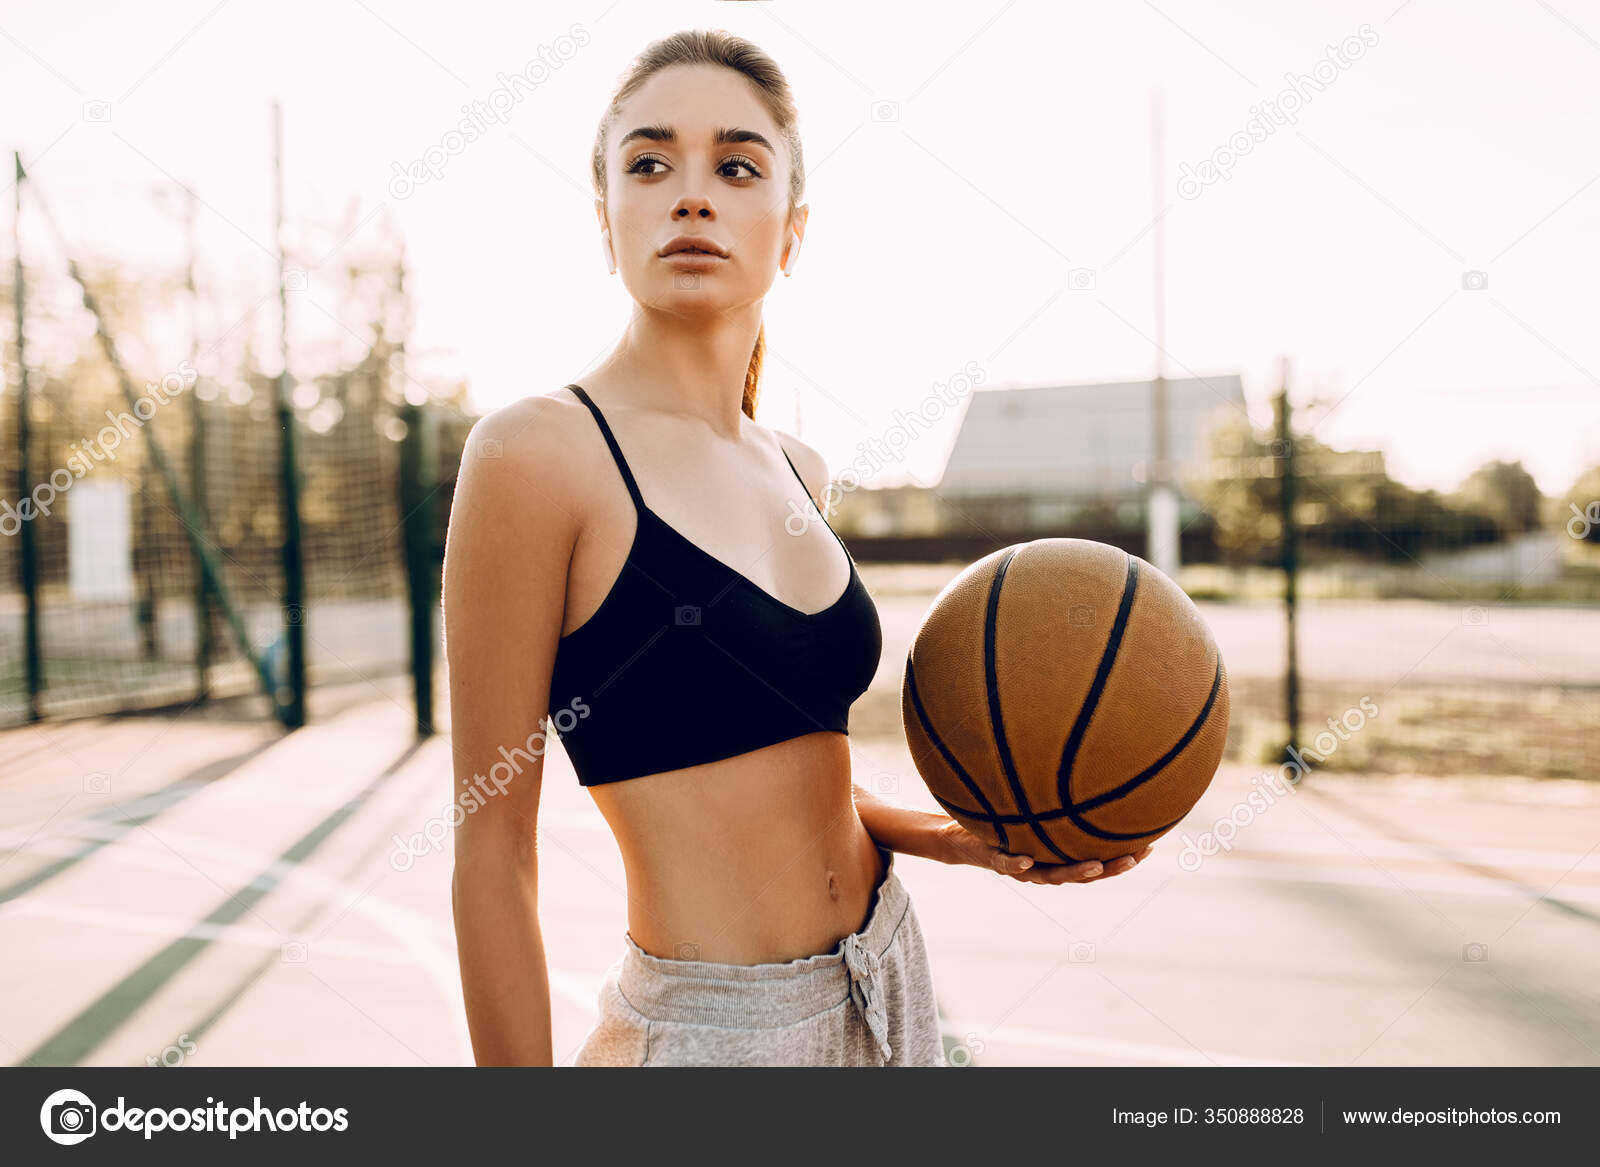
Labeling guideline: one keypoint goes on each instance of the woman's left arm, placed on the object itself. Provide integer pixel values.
(941, 838)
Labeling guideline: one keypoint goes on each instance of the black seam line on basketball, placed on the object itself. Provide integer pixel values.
(1069, 753)
(1073, 812)
(950, 759)
(1046, 815)
(1165, 760)
(997, 721)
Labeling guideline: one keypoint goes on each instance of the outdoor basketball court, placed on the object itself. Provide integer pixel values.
(202, 891)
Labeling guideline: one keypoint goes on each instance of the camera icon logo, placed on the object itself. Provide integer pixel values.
(97, 783)
(68, 1117)
(1474, 617)
(1082, 615)
(1475, 953)
(1474, 281)
(1081, 953)
(686, 279)
(1081, 279)
(686, 952)
(686, 614)
(885, 111)
(295, 280)
(491, 448)
(963, 1053)
(97, 111)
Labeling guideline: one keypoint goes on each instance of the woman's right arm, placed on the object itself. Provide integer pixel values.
(513, 525)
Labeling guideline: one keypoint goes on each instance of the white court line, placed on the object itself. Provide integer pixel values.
(577, 989)
(1134, 1051)
(176, 928)
(1434, 852)
(1239, 867)
(405, 925)
(411, 931)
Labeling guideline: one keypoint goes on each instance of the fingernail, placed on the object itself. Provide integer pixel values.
(1095, 869)
(1024, 863)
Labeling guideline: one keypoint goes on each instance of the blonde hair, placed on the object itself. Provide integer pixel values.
(716, 47)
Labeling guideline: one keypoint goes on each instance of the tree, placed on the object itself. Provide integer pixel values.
(1506, 492)
(1345, 501)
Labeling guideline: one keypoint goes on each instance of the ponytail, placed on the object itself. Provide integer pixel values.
(752, 375)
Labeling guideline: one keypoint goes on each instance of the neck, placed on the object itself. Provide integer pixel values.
(692, 368)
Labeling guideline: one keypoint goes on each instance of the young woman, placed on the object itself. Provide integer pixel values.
(639, 558)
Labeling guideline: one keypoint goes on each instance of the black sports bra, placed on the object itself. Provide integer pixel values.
(688, 661)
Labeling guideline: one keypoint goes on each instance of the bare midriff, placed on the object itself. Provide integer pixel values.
(755, 859)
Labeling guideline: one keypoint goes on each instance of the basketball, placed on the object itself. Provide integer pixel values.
(1065, 700)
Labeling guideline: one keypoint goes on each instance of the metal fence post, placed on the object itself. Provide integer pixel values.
(33, 664)
(418, 456)
(292, 698)
(1291, 565)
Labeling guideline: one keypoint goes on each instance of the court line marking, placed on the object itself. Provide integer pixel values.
(1136, 1051)
(1247, 869)
(411, 930)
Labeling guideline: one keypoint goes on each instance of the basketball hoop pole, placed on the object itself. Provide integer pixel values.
(1161, 497)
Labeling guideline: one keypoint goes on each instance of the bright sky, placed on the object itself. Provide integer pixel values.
(1014, 149)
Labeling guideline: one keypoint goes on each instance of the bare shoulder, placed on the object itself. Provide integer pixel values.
(541, 425)
(813, 467)
(534, 447)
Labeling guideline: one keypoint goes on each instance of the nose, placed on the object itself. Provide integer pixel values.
(692, 205)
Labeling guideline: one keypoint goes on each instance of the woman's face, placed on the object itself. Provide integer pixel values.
(734, 193)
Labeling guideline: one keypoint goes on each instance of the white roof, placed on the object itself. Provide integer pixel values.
(1079, 441)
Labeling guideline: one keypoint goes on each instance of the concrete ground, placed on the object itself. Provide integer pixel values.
(191, 889)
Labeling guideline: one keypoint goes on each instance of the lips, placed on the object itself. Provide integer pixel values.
(693, 245)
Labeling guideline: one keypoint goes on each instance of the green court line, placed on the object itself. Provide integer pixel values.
(149, 806)
(79, 1037)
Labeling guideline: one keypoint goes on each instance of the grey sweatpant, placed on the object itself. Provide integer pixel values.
(868, 1002)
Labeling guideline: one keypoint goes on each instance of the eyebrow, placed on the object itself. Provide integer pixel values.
(722, 137)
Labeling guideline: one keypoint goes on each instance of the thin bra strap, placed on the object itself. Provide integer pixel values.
(616, 450)
(825, 522)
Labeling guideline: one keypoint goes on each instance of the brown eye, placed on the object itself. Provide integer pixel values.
(755, 171)
(644, 160)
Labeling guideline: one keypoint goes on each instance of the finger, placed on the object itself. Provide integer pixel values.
(1085, 872)
(1009, 864)
(1119, 865)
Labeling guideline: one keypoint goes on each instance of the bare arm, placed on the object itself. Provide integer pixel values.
(512, 530)
(938, 836)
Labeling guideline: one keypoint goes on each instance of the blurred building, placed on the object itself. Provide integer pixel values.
(1041, 460)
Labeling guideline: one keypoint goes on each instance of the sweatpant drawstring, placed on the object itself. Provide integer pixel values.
(866, 990)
